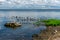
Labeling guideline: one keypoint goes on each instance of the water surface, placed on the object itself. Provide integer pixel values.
(26, 30)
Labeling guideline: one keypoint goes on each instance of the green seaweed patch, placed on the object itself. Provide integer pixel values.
(52, 22)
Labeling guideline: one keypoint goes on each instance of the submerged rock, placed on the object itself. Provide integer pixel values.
(12, 25)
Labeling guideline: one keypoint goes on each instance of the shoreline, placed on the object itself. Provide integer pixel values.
(47, 34)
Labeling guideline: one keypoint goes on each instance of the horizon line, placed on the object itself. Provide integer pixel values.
(29, 9)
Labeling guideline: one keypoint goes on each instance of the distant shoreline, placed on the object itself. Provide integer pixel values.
(39, 10)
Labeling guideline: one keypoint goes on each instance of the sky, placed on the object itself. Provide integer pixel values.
(29, 4)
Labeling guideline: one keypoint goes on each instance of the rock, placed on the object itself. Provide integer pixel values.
(48, 34)
(35, 35)
(12, 25)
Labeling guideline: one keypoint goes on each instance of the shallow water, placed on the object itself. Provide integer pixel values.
(26, 31)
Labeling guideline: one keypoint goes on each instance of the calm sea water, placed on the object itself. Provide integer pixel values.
(26, 31)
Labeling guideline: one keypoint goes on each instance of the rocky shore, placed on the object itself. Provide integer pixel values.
(49, 34)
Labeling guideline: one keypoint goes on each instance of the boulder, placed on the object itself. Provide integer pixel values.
(12, 25)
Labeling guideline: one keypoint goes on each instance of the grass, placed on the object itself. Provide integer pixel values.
(49, 22)
(52, 22)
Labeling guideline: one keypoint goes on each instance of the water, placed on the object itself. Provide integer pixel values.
(26, 31)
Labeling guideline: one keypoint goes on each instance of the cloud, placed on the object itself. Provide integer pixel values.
(2, 0)
(54, 2)
(28, 4)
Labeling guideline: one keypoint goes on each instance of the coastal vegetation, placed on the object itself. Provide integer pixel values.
(52, 22)
(52, 30)
(48, 22)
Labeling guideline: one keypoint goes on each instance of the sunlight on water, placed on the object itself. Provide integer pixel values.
(26, 14)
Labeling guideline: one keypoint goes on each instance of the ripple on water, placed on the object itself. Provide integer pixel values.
(24, 32)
